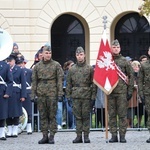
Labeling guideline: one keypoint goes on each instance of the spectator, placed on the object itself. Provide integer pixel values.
(129, 59)
(140, 111)
(68, 114)
(38, 56)
(100, 108)
(15, 48)
(133, 102)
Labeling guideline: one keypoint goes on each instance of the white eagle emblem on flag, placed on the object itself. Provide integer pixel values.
(106, 61)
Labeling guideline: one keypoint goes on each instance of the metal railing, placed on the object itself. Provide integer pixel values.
(139, 118)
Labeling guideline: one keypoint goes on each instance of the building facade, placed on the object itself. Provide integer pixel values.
(66, 24)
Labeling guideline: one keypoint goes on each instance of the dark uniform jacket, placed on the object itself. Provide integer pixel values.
(5, 88)
(19, 91)
(27, 104)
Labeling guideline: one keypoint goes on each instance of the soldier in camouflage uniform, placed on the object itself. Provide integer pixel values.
(47, 78)
(81, 93)
(117, 100)
(144, 88)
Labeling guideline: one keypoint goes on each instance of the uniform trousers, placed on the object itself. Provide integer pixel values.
(47, 107)
(147, 108)
(81, 111)
(117, 109)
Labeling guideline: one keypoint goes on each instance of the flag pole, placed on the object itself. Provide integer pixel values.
(106, 100)
(106, 118)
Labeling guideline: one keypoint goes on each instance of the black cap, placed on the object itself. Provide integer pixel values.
(11, 57)
(19, 60)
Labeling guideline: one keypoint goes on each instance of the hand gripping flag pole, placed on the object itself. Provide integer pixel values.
(105, 74)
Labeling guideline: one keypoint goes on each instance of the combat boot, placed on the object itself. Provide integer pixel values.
(78, 139)
(122, 139)
(148, 140)
(51, 139)
(44, 140)
(113, 139)
(86, 139)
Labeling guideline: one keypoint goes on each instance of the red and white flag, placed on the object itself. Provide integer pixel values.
(105, 74)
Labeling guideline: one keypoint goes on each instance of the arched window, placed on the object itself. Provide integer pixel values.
(67, 33)
(133, 33)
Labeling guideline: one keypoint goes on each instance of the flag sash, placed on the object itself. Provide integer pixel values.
(121, 74)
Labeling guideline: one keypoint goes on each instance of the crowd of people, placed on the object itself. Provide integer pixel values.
(67, 95)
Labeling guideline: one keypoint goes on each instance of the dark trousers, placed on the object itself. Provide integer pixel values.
(12, 121)
(2, 123)
(100, 117)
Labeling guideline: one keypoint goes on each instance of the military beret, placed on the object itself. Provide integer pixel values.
(115, 42)
(47, 48)
(79, 50)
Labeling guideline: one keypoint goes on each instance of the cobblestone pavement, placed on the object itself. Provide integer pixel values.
(63, 141)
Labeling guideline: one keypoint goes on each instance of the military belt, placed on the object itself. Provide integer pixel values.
(2, 81)
(81, 85)
(47, 81)
(16, 85)
(28, 88)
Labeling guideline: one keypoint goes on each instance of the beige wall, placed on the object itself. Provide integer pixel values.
(29, 21)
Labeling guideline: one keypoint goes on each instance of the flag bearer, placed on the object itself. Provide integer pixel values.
(117, 100)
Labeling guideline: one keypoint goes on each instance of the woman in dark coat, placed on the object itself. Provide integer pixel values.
(27, 104)
(18, 96)
(6, 83)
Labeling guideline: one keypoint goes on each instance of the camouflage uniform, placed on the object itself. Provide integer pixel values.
(117, 100)
(81, 89)
(47, 78)
(144, 88)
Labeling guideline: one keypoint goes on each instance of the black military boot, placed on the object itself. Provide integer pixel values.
(122, 139)
(148, 140)
(51, 139)
(113, 139)
(86, 139)
(78, 139)
(44, 140)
